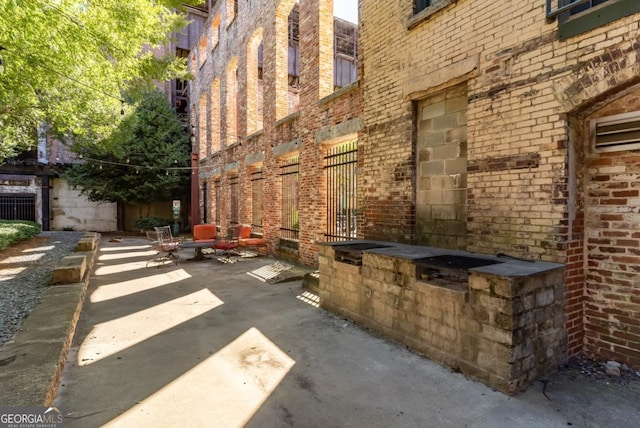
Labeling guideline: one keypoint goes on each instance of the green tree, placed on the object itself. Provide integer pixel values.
(68, 63)
(146, 159)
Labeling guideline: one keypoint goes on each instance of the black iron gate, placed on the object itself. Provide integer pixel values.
(340, 167)
(18, 206)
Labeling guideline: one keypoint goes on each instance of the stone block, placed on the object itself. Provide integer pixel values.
(86, 244)
(70, 269)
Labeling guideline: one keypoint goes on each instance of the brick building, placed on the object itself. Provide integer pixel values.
(491, 127)
(273, 122)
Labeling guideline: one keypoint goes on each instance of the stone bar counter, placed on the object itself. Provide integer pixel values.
(496, 319)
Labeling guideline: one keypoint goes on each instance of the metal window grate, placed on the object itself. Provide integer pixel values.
(256, 201)
(341, 168)
(289, 173)
(345, 53)
(218, 188)
(205, 202)
(566, 8)
(233, 185)
(18, 206)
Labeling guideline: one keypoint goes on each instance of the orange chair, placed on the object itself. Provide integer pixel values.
(204, 236)
(205, 232)
(248, 242)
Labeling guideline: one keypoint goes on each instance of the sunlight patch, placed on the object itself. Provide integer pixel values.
(225, 390)
(111, 337)
(125, 288)
(33, 250)
(268, 272)
(22, 259)
(310, 298)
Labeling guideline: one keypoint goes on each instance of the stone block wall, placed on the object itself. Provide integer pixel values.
(504, 331)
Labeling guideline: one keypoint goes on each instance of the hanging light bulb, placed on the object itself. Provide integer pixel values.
(100, 166)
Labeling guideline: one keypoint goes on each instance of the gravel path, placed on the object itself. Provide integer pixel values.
(25, 274)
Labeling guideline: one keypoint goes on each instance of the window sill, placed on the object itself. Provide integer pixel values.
(289, 118)
(340, 92)
(424, 14)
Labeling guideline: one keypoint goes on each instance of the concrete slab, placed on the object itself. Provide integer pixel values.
(207, 344)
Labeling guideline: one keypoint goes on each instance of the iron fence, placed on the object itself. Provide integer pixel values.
(233, 186)
(340, 169)
(289, 173)
(217, 189)
(256, 201)
(18, 206)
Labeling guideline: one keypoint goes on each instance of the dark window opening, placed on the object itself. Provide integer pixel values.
(345, 48)
(421, 5)
(293, 63)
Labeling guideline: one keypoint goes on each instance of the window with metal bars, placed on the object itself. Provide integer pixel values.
(579, 16)
(289, 173)
(345, 40)
(256, 201)
(294, 45)
(205, 203)
(233, 187)
(218, 188)
(18, 206)
(340, 169)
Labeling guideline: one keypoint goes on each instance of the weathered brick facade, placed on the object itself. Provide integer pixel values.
(248, 126)
(514, 173)
(534, 186)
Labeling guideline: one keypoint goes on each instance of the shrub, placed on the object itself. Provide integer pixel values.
(14, 231)
(148, 223)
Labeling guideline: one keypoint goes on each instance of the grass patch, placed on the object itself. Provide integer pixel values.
(14, 231)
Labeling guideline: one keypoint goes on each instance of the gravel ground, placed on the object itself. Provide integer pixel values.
(25, 272)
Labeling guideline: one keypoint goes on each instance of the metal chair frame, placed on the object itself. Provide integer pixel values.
(165, 245)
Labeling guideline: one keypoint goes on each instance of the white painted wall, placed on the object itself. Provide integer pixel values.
(69, 209)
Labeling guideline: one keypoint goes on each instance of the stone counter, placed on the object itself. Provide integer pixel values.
(504, 326)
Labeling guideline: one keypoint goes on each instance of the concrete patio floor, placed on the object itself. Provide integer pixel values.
(207, 344)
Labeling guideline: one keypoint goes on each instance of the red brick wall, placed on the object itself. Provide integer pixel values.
(317, 113)
(612, 225)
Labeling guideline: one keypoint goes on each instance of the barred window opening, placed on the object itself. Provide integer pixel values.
(256, 202)
(289, 173)
(340, 170)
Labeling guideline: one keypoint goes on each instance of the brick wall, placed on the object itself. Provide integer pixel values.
(525, 161)
(528, 97)
(292, 118)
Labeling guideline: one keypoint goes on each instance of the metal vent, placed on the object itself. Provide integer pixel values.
(616, 133)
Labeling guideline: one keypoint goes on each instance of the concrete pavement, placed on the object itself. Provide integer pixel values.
(210, 344)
